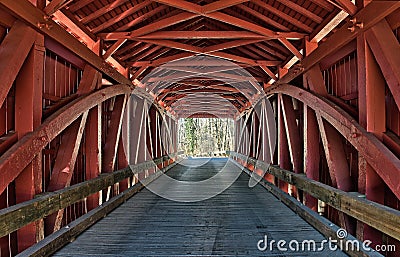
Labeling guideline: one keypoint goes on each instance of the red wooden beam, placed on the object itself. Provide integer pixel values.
(386, 49)
(38, 20)
(13, 51)
(243, 24)
(55, 5)
(283, 146)
(373, 118)
(269, 72)
(335, 156)
(93, 151)
(110, 51)
(143, 17)
(283, 15)
(101, 11)
(64, 167)
(263, 17)
(316, 82)
(370, 15)
(231, 44)
(190, 34)
(6, 19)
(347, 6)
(23, 152)
(78, 5)
(89, 80)
(311, 152)
(28, 113)
(377, 155)
(113, 133)
(291, 48)
(133, 9)
(337, 164)
(183, 5)
(292, 132)
(324, 4)
(298, 8)
(221, 4)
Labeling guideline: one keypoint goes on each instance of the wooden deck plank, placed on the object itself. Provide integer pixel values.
(229, 224)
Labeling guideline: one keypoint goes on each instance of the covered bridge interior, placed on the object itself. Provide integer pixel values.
(91, 94)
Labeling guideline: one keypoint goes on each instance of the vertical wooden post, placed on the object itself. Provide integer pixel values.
(283, 151)
(372, 85)
(28, 108)
(311, 137)
(311, 152)
(93, 151)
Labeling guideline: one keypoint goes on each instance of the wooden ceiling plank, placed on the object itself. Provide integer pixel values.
(323, 4)
(183, 5)
(283, 15)
(241, 23)
(79, 4)
(121, 16)
(270, 51)
(101, 11)
(142, 48)
(127, 48)
(298, 8)
(146, 53)
(161, 24)
(263, 17)
(142, 18)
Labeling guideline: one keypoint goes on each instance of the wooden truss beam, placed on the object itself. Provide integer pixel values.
(79, 4)
(386, 49)
(13, 51)
(385, 163)
(55, 5)
(22, 153)
(198, 34)
(64, 166)
(102, 11)
(283, 15)
(38, 20)
(133, 9)
(301, 10)
(370, 15)
(347, 6)
(110, 51)
(221, 4)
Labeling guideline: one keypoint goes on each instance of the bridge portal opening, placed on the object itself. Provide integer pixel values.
(205, 137)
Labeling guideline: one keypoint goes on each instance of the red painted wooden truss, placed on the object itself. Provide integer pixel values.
(330, 68)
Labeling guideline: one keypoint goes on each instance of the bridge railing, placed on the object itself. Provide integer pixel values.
(20, 215)
(381, 217)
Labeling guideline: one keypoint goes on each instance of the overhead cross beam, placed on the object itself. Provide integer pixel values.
(198, 34)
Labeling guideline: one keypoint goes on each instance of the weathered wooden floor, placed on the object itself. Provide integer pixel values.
(229, 224)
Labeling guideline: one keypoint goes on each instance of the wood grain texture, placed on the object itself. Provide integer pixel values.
(229, 224)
